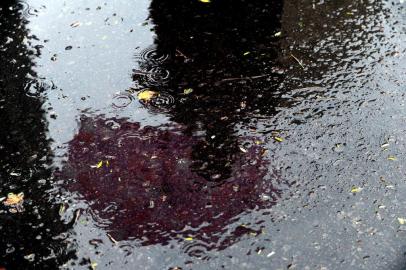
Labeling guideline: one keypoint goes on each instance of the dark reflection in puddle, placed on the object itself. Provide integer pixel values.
(140, 180)
(212, 69)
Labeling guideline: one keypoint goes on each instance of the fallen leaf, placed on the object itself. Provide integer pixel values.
(246, 53)
(243, 149)
(402, 221)
(355, 189)
(189, 238)
(392, 158)
(187, 91)
(278, 34)
(146, 95)
(93, 265)
(14, 199)
(278, 139)
(98, 165)
(205, 1)
(62, 209)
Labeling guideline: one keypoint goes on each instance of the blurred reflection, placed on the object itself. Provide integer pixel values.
(140, 181)
(29, 236)
(213, 68)
(218, 61)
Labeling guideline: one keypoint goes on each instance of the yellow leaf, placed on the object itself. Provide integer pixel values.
(93, 265)
(246, 53)
(187, 91)
(61, 209)
(13, 199)
(278, 34)
(146, 95)
(258, 142)
(278, 139)
(99, 164)
(402, 221)
(355, 189)
(189, 238)
(205, 1)
(392, 158)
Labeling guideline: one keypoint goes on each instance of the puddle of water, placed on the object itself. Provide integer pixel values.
(263, 120)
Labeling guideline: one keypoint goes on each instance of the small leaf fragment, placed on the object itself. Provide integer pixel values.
(402, 221)
(278, 34)
(14, 199)
(355, 189)
(62, 209)
(205, 1)
(146, 95)
(93, 265)
(246, 53)
(278, 139)
(187, 91)
(189, 238)
(98, 165)
(392, 158)
(243, 149)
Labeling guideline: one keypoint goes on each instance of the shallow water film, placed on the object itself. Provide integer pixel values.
(202, 134)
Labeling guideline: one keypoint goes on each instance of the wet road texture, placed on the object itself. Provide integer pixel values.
(196, 134)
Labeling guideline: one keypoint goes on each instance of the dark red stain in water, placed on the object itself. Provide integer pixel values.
(149, 192)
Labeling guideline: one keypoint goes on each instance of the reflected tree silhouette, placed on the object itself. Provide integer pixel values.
(226, 52)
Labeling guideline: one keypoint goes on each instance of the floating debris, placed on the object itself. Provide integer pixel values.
(14, 199)
(147, 95)
(75, 24)
(62, 209)
(355, 189)
(187, 91)
(297, 60)
(278, 139)
(402, 221)
(385, 145)
(30, 257)
(189, 239)
(112, 239)
(393, 158)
